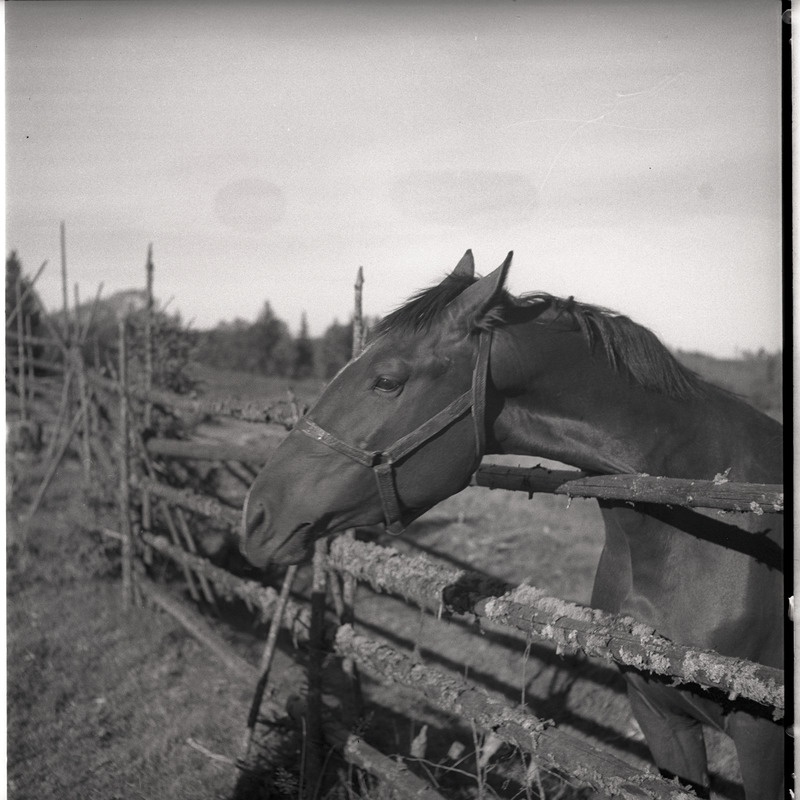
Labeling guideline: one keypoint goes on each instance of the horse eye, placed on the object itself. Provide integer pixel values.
(386, 384)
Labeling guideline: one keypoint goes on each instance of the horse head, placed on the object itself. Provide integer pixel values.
(400, 428)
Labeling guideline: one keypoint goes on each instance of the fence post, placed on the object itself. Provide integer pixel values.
(314, 740)
(349, 583)
(23, 402)
(126, 528)
(29, 357)
(83, 395)
(148, 340)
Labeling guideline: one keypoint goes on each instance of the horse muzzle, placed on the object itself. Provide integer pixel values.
(260, 544)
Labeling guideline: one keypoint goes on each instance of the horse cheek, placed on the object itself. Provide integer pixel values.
(441, 468)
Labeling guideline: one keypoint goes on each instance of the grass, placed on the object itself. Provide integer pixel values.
(102, 700)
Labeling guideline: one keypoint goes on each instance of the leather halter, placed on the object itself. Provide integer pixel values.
(382, 461)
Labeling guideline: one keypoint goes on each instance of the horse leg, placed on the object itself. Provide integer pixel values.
(760, 747)
(675, 739)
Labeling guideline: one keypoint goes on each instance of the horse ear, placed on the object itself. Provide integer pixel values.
(473, 306)
(465, 267)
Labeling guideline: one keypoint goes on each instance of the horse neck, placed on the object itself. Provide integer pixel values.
(565, 403)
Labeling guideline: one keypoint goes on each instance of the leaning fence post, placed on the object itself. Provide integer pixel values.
(316, 634)
(148, 340)
(126, 528)
(29, 357)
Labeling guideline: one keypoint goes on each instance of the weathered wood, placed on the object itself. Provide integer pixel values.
(173, 535)
(188, 543)
(553, 748)
(314, 739)
(210, 451)
(123, 455)
(52, 468)
(719, 494)
(569, 625)
(148, 337)
(21, 376)
(83, 399)
(198, 503)
(358, 315)
(29, 358)
(265, 663)
(296, 618)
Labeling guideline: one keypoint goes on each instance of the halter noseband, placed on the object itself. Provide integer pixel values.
(382, 461)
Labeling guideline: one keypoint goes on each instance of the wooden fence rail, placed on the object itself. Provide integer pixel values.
(719, 494)
(246, 409)
(263, 598)
(185, 498)
(552, 747)
(570, 626)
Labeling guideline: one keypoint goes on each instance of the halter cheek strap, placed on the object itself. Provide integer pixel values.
(382, 461)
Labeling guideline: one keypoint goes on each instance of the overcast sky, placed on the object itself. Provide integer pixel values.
(629, 153)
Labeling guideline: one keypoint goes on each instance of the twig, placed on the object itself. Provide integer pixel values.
(195, 745)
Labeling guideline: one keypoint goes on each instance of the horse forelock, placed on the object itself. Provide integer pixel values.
(424, 308)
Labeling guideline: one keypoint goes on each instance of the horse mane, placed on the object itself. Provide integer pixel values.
(628, 347)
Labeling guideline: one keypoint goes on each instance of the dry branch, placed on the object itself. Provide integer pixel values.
(552, 747)
(569, 625)
(721, 495)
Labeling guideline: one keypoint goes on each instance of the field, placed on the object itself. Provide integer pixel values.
(113, 703)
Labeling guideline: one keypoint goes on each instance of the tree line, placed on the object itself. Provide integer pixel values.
(267, 347)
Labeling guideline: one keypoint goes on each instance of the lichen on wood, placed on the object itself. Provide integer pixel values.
(554, 748)
(743, 497)
(571, 627)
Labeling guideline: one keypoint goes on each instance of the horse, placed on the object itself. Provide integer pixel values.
(464, 369)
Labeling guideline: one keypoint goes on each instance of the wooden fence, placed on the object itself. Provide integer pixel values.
(152, 521)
